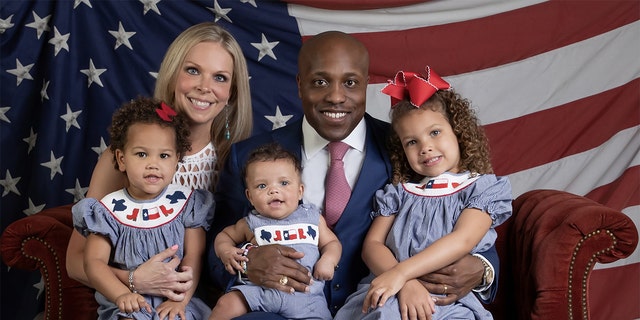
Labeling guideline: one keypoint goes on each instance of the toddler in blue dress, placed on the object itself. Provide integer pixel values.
(442, 204)
(274, 188)
(129, 226)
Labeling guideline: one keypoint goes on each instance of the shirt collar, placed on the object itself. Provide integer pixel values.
(313, 142)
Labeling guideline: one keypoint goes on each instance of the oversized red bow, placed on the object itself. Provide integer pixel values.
(414, 87)
(165, 112)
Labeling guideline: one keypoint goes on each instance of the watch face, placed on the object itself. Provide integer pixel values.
(490, 275)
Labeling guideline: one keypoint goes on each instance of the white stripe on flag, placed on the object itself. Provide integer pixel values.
(553, 78)
(585, 171)
(312, 20)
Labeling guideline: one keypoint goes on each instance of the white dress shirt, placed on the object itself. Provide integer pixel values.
(315, 157)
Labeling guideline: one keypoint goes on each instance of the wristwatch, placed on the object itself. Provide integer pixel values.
(488, 275)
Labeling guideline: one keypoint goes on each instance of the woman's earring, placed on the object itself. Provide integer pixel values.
(227, 134)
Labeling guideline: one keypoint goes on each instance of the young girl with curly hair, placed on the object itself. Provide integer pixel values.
(129, 226)
(443, 203)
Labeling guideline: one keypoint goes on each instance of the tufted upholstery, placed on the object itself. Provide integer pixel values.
(547, 251)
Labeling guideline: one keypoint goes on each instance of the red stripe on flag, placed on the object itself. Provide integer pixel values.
(621, 193)
(615, 292)
(467, 46)
(552, 134)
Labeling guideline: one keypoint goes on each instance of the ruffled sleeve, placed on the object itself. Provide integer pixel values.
(90, 216)
(199, 210)
(493, 195)
(387, 201)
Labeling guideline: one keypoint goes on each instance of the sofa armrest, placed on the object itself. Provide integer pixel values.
(555, 241)
(39, 242)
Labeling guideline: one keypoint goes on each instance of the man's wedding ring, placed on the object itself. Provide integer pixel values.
(444, 292)
(284, 280)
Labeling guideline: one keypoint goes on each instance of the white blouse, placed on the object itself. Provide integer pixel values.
(197, 171)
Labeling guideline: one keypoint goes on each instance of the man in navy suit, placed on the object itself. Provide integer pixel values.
(332, 81)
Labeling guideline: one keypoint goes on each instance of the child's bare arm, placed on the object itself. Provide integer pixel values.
(194, 245)
(330, 252)
(99, 273)
(375, 254)
(226, 243)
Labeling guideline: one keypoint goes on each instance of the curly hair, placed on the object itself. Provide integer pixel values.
(143, 110)
(474, 145)
(272, 152)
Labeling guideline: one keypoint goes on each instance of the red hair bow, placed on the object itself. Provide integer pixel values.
(165, 112)
(413, 87)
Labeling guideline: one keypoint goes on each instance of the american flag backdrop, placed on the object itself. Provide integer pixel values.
(554, 82)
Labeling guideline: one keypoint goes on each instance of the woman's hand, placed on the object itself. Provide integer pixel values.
(275, 266)
(159, 278)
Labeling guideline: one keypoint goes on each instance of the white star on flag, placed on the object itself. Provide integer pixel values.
(93, 74)
(71, 118)
(3, 115)
(59, 41)
(252, 2)
(78, 191)
(33, 209)
(9, 184)
(78, 2)
(266, 48)
(54, 165)
(43, 91)
(278, 120)
(100, 149)
(150, 5)
(40, 24)
(122, 36)
(5, 24)
(31, 140)
(219, 12)
(21, 72)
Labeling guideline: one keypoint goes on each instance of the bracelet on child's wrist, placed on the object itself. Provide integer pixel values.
(242, 276)
(132, 287)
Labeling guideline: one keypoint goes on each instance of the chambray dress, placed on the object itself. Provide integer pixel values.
(138, 230)
(425, 212)
(300, 231)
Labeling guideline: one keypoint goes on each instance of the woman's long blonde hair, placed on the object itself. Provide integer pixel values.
(238, 110)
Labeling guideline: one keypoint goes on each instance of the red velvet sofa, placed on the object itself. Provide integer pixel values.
(547, 251)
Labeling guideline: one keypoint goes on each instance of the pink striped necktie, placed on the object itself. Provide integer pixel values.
(337, 190)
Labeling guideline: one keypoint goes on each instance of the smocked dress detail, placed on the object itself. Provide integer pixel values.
(138, 230)
(425, 212)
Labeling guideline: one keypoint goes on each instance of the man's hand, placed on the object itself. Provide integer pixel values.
(459, 279)
(159, 278)
(268, 265)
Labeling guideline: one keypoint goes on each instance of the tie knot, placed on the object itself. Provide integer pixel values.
(337, 149)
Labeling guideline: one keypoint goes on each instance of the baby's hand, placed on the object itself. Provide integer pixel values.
(323, 270)
(172, 309)
(232, 259)
(132, 302)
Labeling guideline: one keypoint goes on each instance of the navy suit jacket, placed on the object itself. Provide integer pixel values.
(351, 228)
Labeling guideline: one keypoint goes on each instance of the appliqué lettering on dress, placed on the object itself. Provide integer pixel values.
(147, 214)
(287, 234)
(442, 185)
